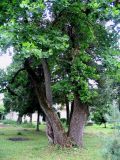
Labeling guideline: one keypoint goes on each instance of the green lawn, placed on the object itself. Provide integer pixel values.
(37, 148)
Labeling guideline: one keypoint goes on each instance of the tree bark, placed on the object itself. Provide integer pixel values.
(105, 125)
(67, 112)
(78, 121)
(59, 135)
(30, 115)
(47, 78)
(19, 120)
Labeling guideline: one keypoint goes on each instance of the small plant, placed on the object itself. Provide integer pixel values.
(112, 147)
(19, 134)
(28, 125)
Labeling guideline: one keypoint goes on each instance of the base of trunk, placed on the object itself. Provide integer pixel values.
(78, 122)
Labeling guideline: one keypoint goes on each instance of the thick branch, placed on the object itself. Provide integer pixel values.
(47, 81)
(11, 91)
(16, 74)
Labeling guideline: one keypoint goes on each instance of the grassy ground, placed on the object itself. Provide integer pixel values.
(37, 148)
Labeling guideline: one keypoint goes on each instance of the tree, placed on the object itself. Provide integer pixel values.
(71, 40)
(20, 96)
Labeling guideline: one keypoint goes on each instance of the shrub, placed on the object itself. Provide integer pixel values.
(112, 149)
(19, 134)
(9, 122)
(27, 125)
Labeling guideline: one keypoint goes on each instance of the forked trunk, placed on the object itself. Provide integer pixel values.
(59, 135)
(78, 120)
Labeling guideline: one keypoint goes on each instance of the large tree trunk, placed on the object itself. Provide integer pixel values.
(78, 120)
(59, 135)
(47, 77)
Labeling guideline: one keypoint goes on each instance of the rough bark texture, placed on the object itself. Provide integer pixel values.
(47, 77)
(59, 135)
(67, 112)
(47, 81)
(78, 120)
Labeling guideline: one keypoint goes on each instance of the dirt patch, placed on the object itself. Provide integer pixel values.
(2, 126)
(18, 139)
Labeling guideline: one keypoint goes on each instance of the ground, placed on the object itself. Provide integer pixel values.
(36, 146)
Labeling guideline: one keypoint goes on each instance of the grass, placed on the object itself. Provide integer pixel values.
(37, 147)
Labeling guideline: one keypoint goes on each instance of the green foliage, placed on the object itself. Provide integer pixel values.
(2, 109)
(28, 125)
(112, 149)
(19, 134)
(99, 117)
(6, 121)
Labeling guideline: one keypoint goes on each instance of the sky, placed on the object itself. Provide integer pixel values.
(5, 61)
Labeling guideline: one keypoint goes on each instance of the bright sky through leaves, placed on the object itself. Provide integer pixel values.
(5, 61)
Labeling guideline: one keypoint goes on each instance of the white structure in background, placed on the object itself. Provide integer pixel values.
(61, 110)
(1, 98)
(14, 115)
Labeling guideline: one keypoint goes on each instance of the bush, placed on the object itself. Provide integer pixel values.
(19, 134)
(27, 125)
(112, 149)
(9, 122)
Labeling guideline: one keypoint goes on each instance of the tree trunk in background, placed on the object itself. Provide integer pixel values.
(38, 121)
(67, 112)
(19, 120)
(105, 125)
(30, 115)
(78, 122)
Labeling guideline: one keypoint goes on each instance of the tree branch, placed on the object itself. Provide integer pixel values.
(16, 74)
(11, 91)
